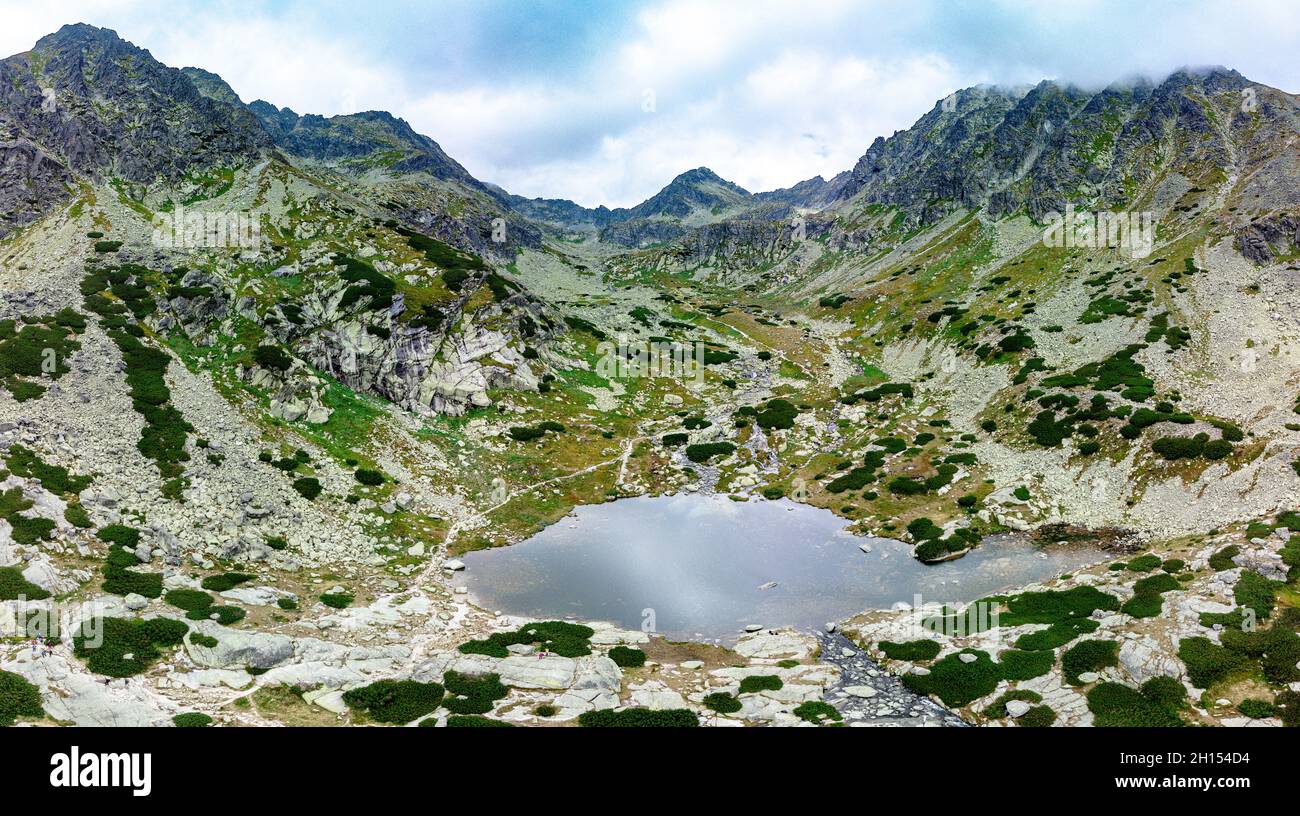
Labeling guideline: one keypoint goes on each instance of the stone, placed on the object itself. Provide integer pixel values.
(528, 671)
(967, 657)
(1142, 659)
(1088, 677)
(692, 665)
(136, 602)
(864, 692)
(453, 564)
(657, 696)
(237, 648)
(1018, 708)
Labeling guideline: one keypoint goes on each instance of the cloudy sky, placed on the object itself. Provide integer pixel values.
(604, 101)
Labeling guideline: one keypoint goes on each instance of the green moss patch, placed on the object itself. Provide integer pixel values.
(760, 682)
(911, 651)
(395, 701)
(18, 698)
(124, 647)
(627, 657)
(1114, 705)
(1088, 656)
(558, 637)
(639, 718)
(14, 586)
(815, 711)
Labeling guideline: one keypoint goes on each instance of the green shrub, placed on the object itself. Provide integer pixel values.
(225, 581)
(14, 586)
(639, 718)
(912, 650)
(272, 357)
(395, 701)
(472, 721)
(1222, 560)
(119, 534)
(1040, 716)
(1144, 563)
(1165, 691)
(546, 710)
(224, 615)
(1020, 665)
(1056, 635)
(1143, 606)
(1207, 662)
(776, 414)
(704, 451)
(1114, 705)
(1086, 656)
(206, 641)
(307, 487)
(118, 580)
(1256, 592)
(997, 710)
(906, 486)
(192, 719)
(77, 516)
(956, 683)
(337, 600)
(140, 639)
(1288, 706)
(367, 476)
(1277, 649)
(526, 434)
(760, 682)
(626, 657)
(188, 599)
(18, 698)
(57, 480)
(1056, 606)
(287, 604)
(472, 695)
(559, 637)
(815, 711)
(1257, 709)
(722, 702)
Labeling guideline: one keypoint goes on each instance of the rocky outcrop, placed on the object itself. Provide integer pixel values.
(1264, 239)
(101, 107)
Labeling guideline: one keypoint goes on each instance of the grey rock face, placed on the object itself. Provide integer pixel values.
(102, 107)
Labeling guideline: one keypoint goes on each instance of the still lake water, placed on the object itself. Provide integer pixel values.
(700, 563)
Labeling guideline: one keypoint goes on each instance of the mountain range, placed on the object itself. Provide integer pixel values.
(281, 372)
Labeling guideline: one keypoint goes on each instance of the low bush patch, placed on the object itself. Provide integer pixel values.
(760, 682)
(626, 657)
(1088, 656)
(815, 711)
(639, 718)
(18, 698)
(395, 701)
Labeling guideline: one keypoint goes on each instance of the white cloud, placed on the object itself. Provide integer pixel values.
(767, 93)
